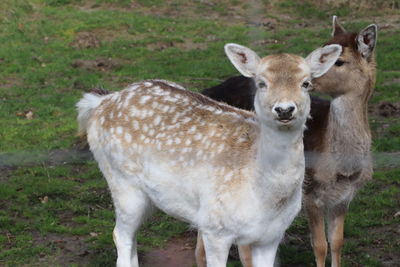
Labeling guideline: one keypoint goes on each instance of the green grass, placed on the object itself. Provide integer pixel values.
(46, 207)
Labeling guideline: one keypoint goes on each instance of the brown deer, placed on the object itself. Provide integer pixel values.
(337, 140)
(226, 171)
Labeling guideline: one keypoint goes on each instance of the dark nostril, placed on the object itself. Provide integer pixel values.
(278, 110)
(284, 113)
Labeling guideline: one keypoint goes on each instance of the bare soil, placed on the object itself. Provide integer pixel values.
(69, 249)
(178, 251)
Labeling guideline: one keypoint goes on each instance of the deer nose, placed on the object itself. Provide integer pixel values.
(285, 112)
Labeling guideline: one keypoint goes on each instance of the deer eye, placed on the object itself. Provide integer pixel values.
(339, 62)
(261, 84)
(306, 85)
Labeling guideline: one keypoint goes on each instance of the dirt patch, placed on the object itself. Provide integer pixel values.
(85, 40)
(70, 249)
(386, 109)
(100, 64)
(392, 81)
(383, 245)
(186, 45)
(178, 251)
(55, 157)
(9, 82)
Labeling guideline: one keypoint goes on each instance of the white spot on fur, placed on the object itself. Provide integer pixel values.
(159, 146)
(114, 97)
(198, 136)
(158, 91)
(127, 99)
(136, 125)
(170, 99)
(148, 84)
(134, 112)
(186, 120)
(143, 100)
(192, 129)
(221, 148)
(119, 130)
(134, 86)
(172, 109)
(165, 108)
(102, 119)
(128, 137)
(212, 132)
(177, 141)
(188, 142)
(175, 118)
(157, 120)
(228, 176)
(186, 149)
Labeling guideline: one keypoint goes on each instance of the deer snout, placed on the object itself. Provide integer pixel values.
(284, 111)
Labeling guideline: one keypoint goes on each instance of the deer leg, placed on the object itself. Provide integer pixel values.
(318, 240)
(336, 229)
(264, 255)
(200, 251)
(245, 256)
(217, 249)
(130, 208)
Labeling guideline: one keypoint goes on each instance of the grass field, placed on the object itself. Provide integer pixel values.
(55, 208)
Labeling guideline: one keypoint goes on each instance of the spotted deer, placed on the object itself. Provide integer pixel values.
(233, 174)
(337, 140)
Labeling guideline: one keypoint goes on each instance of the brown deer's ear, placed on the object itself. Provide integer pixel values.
(336, 27)
(366, 40)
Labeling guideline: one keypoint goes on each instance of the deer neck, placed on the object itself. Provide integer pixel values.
(349, 116)
(349, 136)
(280, 156)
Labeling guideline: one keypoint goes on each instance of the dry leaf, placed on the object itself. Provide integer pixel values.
(44, 200)
(29, 115)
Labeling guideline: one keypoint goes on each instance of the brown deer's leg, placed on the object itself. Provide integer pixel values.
(336, 229)
(245, 256)
(317, 228)
(200, 251)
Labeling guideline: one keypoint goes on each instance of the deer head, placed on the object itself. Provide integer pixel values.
(354, 71)
(282, 81)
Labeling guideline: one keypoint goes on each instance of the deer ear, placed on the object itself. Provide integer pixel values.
(245, 60)
(336, 27)
(322, 59)
(366, 40)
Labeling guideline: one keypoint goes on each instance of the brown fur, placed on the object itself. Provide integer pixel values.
(344, 161)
